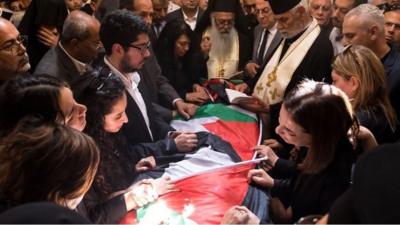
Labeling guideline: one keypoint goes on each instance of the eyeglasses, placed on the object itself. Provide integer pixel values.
(14, 46)
(142, 48)
(221, 22)
(263, 11)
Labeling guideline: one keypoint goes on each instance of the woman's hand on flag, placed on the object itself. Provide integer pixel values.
(260, 177)
(140, 194)
(263, 150)
(274, 144)
(164, 185)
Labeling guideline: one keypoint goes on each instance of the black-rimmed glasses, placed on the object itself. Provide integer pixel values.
(142, 48)
(14, 46)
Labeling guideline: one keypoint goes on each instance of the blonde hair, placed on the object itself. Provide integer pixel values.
(362, 63)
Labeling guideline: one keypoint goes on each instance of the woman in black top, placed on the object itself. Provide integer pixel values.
(178, 55)
(111, 195)
(360, 74)
(315, 119)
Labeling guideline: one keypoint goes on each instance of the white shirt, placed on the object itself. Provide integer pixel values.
(336, 44)
(80, 66)
(191, 21)
(271, 33)
(131, 82)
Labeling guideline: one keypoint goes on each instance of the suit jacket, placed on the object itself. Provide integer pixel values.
(163, 93)
(270, 50)
(136, 130)
(178, 14)
(56, 63)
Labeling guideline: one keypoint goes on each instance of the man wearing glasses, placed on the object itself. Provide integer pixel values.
(13, 57)
(222, 24)
(126, 42)
(266, 38)
(78, 47)
(164, 97)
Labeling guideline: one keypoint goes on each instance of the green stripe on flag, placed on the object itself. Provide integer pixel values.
(223, 112)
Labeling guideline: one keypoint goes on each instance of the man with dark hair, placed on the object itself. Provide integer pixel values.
(164, 97)
(189, 12)
(78, 46)
(392, 24)
(126, 42)
(160, 8)
(13, 57)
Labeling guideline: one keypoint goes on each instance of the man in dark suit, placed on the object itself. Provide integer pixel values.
(126, 42)
(13, 57)
(189, 12)
(164, 97)
(266, 39)
(78, 46)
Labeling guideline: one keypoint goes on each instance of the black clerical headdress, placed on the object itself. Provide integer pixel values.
(282, 6)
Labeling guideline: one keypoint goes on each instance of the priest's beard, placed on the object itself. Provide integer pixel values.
(221, 43)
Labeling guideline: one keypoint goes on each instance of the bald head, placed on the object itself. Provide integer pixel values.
(81, 31)
(13, 57)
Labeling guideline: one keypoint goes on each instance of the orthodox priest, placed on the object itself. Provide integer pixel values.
(229, 48)
(304, 53)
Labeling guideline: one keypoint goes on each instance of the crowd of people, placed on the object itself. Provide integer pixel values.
(88, 90)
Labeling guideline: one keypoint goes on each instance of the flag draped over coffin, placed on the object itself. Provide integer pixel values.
(204, 197)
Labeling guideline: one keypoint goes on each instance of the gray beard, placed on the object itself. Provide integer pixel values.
(221, 44)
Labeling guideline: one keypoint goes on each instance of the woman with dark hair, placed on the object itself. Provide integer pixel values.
(178, 55)
(40, 95)
(45, 161)
(359, 73)
(110, 197)
(316, 119)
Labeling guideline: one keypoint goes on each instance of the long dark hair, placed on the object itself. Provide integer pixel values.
(326, 117)
(171, 33)
(30, 95)
(102, 93)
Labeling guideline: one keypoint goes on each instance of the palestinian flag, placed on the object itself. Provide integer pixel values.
(205, 196)
(233, 124)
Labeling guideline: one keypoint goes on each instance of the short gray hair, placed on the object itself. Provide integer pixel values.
(369, 15)
(75, 27)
